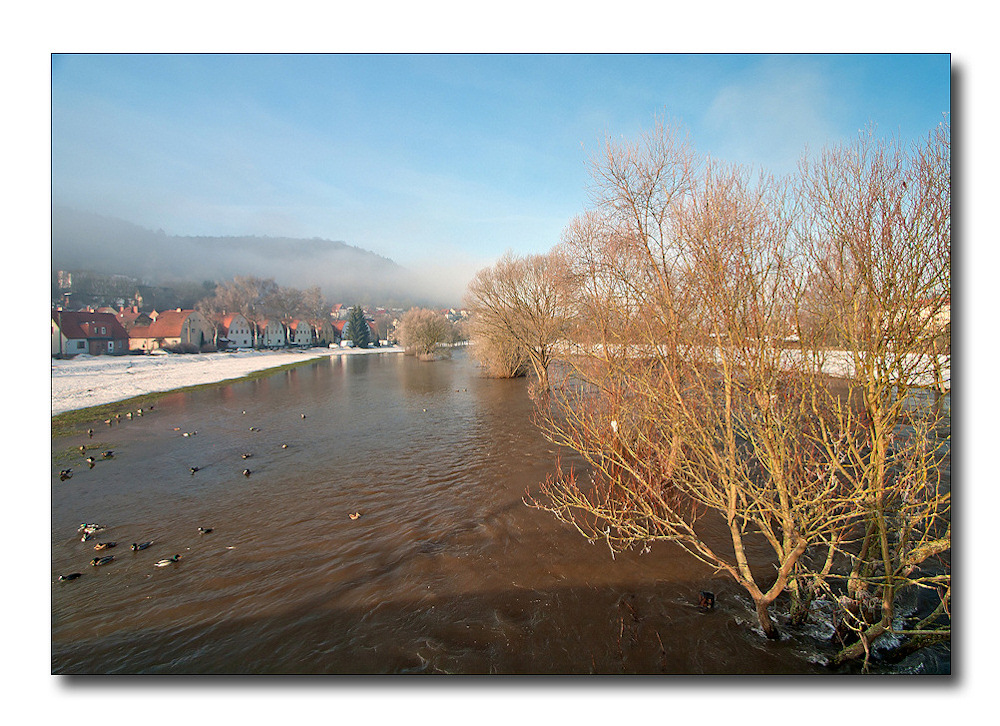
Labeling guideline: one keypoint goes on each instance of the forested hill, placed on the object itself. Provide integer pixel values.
(85, 241)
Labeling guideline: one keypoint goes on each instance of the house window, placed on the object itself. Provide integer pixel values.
(80, 344)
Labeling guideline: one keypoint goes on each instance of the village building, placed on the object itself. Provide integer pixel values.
(84, 331)
(235, 331)
(324, 333)
(300, 333)
(129, 317)
(271, 334)
(173, 329)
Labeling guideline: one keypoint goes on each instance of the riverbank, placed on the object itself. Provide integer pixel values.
(86, 381)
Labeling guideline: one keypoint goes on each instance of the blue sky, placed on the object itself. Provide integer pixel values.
(433, 158)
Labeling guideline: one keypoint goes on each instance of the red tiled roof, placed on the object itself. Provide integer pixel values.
(168, 324)
(83, 324)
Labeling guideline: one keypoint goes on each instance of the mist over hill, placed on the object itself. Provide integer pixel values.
(345, 273)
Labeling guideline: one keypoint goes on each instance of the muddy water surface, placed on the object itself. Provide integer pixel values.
(444, 571)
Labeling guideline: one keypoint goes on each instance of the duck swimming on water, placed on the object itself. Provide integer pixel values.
(108, 455)
(247, 473)
(142, 546)
(70, 576)
(104, 545)
(167, 561)
(194, 469)
(204, 530)
(90, 461)
(98, 561)
(65, 474)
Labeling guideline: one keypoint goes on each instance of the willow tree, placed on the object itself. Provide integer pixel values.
(518, 315)
(878, 235)
(708, 417)
(422, 331)
(684, 401)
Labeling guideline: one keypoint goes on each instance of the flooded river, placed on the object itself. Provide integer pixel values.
(445, 570)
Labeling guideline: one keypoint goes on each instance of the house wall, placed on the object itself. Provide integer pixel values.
(240, 334)
(273, 336)
(302, 335)
(196, 330)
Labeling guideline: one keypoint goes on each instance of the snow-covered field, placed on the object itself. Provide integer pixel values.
(95, 380)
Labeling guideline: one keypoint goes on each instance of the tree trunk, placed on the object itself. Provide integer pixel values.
(764, 617)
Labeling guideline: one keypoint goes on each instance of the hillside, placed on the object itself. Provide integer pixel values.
(85, 241)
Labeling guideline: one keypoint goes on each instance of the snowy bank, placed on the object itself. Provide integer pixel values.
(87, 380)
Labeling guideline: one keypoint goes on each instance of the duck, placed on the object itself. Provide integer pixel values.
(186, 434)
(138, 412)
(355, 515)
(86, 536)
(108, 455)
(194, 469)
(70, 576)
(166, 561)
(91, 527)
(246, 455)
(129, 415)
(104, 545)
(284, 446)
(82, 448)
(254, 428)
(109, 421)
(303, 416)
(98, 561)
(65, 474)
(90, 433)
(204, 530)
(141, 546)
(90, 461)
(247, 473)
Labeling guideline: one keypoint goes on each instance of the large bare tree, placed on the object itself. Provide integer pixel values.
(518, 313)
(701, 403)
(877, 231)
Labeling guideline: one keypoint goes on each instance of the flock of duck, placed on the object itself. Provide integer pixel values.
(88, 531)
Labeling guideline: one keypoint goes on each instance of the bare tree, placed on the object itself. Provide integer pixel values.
(879, 235)
(700, 404)
(246, 295)
(518, 311)
(423, 331)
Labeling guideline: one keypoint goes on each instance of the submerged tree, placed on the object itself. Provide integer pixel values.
(423, 331)
(878, 235)
(702, 407)
(518, 314)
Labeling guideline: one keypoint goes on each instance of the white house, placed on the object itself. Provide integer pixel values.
(271, 334)
(300, 333)
(237, 330)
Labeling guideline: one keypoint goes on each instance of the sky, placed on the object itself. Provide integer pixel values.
(431, 159)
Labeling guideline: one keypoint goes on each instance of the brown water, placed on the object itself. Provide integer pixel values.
(445, 571)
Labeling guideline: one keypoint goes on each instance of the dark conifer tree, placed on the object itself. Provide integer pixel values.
(357, 328)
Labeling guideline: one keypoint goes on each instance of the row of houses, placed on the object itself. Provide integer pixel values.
(106, 331)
